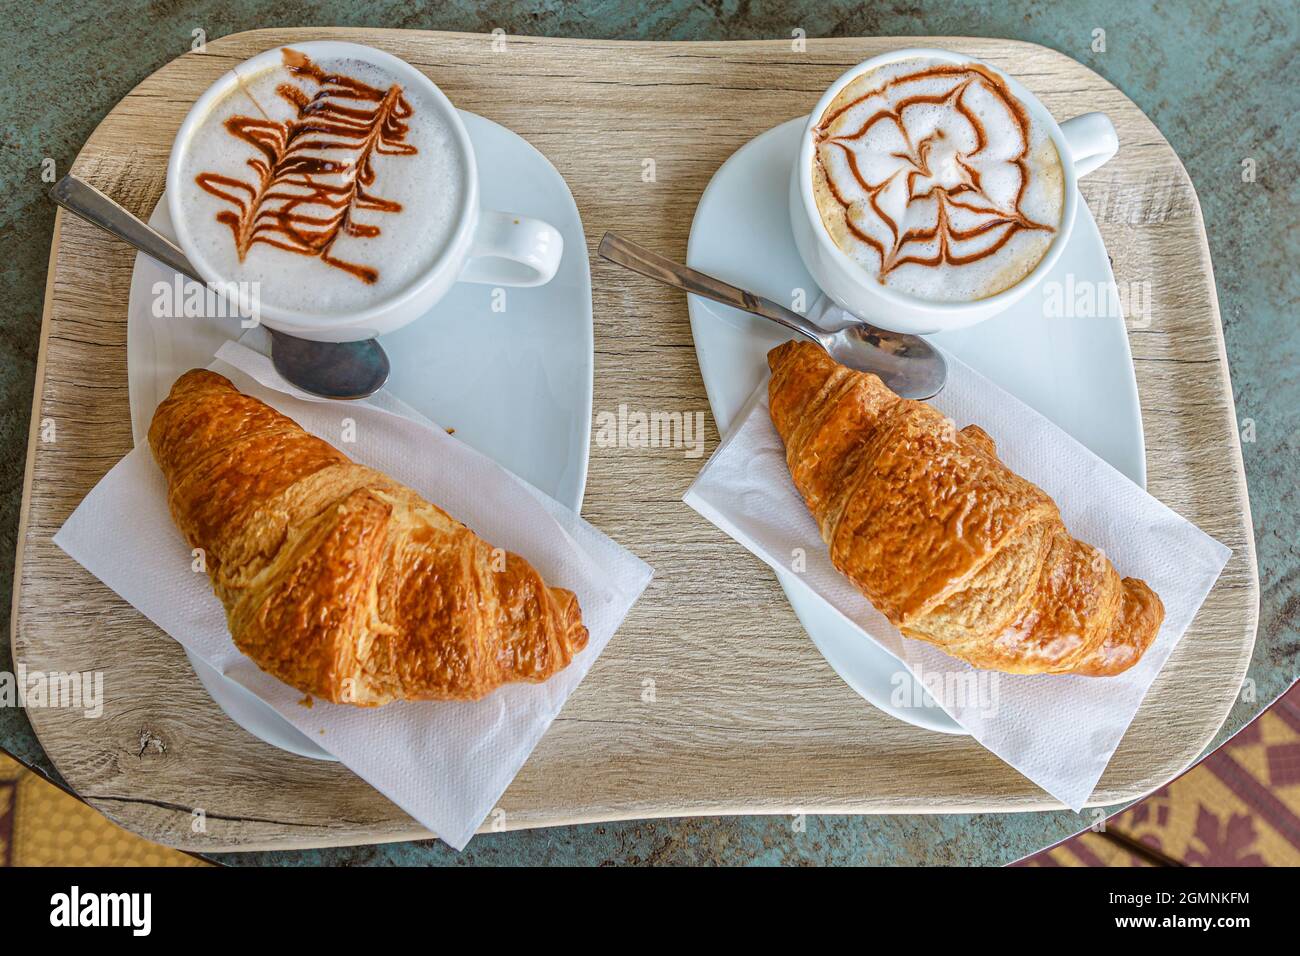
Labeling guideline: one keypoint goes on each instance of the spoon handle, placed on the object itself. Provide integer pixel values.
(84, 200)
(341, 370)
(640, 259)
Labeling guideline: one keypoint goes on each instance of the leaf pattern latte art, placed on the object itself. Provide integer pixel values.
(312, 173)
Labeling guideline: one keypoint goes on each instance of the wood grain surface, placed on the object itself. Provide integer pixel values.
(745, 716)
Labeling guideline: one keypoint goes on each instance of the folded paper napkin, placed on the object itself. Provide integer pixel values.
(1058, 730)
(444, 763)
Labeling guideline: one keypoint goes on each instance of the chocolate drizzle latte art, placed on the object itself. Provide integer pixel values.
(312, 172)
(934, 177)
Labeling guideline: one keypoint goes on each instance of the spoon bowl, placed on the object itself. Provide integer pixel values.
(340, 370)
(907, 364)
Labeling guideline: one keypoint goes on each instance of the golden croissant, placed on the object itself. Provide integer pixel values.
(338, 580)
(941, 537)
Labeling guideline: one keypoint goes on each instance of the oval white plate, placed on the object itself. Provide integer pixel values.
(1077, 371)
(514, 384)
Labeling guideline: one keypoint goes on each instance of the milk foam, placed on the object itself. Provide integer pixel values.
(931, 161)
(427, 184)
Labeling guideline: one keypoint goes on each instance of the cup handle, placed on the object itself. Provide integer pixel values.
(512, 250)
(1092, 140)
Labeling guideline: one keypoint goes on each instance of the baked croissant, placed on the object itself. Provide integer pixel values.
(941, 537)
(338, 580)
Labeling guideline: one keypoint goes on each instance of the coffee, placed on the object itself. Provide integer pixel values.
(326, 182)
(937, 180)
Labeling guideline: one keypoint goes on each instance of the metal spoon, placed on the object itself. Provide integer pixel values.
(908, 364)
(340, 370)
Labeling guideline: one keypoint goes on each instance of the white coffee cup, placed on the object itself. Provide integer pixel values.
(1084, 143)
(486, 246)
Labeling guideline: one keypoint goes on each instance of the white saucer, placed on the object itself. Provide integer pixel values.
(1077, 371)
(523, 398)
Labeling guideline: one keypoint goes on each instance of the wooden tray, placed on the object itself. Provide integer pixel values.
(745, 716)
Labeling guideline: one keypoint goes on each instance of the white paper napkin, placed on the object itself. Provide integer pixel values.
(445, 764)
(1059, 731)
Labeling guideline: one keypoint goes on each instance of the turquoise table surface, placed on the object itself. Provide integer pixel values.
(1216, 78)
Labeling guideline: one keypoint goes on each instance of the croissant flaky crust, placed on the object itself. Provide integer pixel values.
(943, 539)
(335, 578)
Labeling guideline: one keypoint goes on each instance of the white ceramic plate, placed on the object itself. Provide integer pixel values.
(514, 384)
(1077, 371)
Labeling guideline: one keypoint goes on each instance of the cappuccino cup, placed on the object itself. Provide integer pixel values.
(931, 191)
(339, 182)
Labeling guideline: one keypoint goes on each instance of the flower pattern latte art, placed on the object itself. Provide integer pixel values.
(930, 165)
